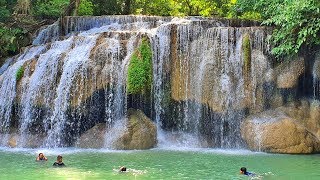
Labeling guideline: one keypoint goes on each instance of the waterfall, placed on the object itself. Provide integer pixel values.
(316, 76)
(8, 89)
(116, 98)
(41, 84)
(76, 61)
(76, 79)
(160, 47)
(47, 34)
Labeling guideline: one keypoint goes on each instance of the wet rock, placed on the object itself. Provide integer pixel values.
(288, 73)
(274, 131)
(93, 138)
(31, 140)
(136, 132)
(316, 66)
(13, 140)
(140, 133)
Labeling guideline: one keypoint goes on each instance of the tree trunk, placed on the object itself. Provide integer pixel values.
(76, 7)
(127, 7)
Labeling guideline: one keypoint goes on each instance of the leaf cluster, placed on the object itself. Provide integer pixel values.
(297, 23)
(85, 8)
(10, 39)
(50, 9)
(140, 69)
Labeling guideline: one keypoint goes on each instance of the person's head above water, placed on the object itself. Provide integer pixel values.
(243, 170)
(59, 158)
(59, 161)
(123, 169)
(41, 157)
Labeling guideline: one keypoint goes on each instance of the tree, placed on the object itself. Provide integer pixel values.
(297, 23)
(107, 7)
(127, 7)
(23, 7)
(50, 9)
(85, 8)
(4, 11)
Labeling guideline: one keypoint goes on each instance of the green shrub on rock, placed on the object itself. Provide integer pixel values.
(19, 73)
(140, 69)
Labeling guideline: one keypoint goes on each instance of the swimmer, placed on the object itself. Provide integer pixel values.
(122, 169)
(41, 157)
(59, 161)
(244, 171)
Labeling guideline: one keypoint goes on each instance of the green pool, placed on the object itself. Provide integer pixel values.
(155, 164)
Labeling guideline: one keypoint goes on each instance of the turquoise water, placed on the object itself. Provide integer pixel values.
(156, 164)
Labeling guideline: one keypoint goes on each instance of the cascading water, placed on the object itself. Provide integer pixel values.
(316, 77)
(209, 72)
(75, 61)
(116, 100)
(47, 34)
(199, 91)
(8, 90)
(41, 84)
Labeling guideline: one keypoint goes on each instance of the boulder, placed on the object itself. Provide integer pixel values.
(13, 140)
(93, 138)
(140, 133)
(135, 132)
(274, 131)
(288, 73)
(31, 140)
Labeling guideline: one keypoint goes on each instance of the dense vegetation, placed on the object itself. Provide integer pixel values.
(140, 69)
(296, 22)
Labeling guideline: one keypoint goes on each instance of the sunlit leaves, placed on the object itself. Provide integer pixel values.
(297, 22)
(85, 8)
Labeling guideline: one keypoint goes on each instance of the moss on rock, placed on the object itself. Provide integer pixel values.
(140, 69)
(246, 48)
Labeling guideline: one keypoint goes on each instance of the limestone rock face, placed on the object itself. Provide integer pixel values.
(212, 80)
(274, 131)
(141, 132)
(289, 73)
(138, 132)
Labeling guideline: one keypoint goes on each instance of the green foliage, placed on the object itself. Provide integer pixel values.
(19, 73)
(251, 15)
(297, 22)
(4, 11)
(182, 7)
(10, 40)
(140, 69)
(110, 7)
(155, 7)
(246, 48)
(85, 8)
(50, 9)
